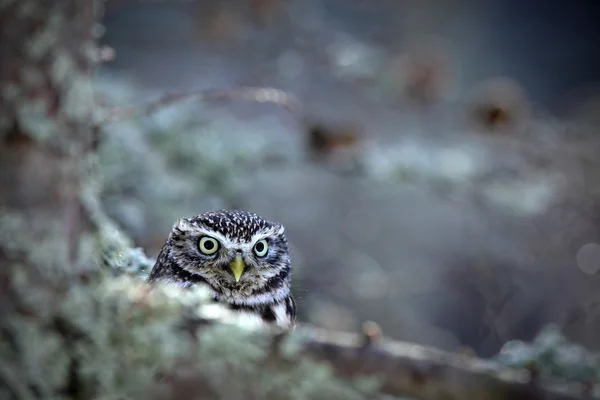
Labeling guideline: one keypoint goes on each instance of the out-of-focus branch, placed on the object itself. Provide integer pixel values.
(261, 95)
(416, 371)
(407, 369)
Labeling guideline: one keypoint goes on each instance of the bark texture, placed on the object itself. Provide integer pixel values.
(46, 58)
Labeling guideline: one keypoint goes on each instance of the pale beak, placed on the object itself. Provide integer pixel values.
(237, 267)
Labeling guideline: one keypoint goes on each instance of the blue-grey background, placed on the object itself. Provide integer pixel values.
(450, 235)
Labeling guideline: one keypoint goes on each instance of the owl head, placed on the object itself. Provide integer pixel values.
(242, 256)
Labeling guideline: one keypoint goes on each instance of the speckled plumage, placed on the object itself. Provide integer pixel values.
(263, 290)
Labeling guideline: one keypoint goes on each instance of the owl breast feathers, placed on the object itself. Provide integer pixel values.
(243, 259)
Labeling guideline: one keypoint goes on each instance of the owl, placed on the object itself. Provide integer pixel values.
(241, 257)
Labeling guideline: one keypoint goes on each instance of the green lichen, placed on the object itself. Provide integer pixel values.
(90, 340)
(111, 338)
(61, 68)
(108, 241)
(90, 50)
(11, 225)
(47, 248)
(42, 47)
(32, 118)
(41, 356)
(45, 38)
(77, 98)
(553, 356)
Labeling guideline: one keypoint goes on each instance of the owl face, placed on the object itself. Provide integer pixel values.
(239, 254)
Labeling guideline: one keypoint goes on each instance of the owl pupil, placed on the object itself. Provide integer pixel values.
(209, 245)
(260, 247)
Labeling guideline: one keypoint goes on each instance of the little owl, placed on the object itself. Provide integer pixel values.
(242, 257)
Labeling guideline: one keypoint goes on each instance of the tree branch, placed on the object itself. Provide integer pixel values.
(261, 95)
(408, 369)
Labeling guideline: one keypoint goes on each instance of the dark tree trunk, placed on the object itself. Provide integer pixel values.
(46, 103)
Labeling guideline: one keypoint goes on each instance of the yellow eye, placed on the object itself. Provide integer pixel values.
(208, 245)
(261, 248)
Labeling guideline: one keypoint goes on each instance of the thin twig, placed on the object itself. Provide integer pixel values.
(259, 94)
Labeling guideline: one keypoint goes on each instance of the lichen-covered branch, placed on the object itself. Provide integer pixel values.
(107, 338)
(261, 95)
(119, 338)
(407, 369)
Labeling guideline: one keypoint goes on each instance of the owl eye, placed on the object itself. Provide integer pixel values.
(208, 245)
(261, 248)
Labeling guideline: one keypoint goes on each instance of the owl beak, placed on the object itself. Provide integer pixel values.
(237, 267)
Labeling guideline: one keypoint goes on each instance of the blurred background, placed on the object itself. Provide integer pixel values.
(438, 172)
